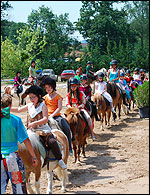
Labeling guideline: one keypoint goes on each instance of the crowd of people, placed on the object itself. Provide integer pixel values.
(42, 108)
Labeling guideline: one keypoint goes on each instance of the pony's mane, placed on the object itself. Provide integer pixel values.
(71, 110)
(111, 88)
(34, 138)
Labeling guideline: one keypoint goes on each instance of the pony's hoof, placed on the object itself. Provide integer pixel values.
(63, 189)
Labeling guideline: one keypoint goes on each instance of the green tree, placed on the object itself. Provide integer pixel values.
(99, 22)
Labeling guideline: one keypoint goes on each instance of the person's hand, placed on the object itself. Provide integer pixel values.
(31, 125)
(34, 161)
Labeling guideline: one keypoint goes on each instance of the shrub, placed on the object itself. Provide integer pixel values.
(141, 95)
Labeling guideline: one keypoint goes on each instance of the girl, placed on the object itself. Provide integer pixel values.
(100, 87)
(124, 83)
(87, 90)
(77, 76)
(113, 76)
(17, 81)
(128, 77)
(53, 102)
(76, 98)
(137, 76)
(12, 131)
(38, 118)
(32, 73)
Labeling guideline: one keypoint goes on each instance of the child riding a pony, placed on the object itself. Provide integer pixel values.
(100, 87)
(38, 121)
(76, 98)
(17, 81)
(53, 101)
(113, 76)
(124, 83)
(88, 93)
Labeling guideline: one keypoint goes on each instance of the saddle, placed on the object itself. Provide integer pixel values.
(49, 156)
(107, 102)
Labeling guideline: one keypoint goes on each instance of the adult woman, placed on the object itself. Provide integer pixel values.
(38, 118)
(53, 102)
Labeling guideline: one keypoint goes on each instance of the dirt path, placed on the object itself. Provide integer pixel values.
(116, 163)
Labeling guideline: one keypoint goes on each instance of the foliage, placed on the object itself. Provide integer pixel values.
(141, 95)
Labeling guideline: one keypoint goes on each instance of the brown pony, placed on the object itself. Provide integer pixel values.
(116, 95)
(103, 108)
(79, 132)
(53, 164)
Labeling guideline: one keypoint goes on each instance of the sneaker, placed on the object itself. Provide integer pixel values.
(70, 152)
(62, 164)
(93, 137)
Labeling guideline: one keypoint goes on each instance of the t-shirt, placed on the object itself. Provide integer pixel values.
(87, 69)
(100, 87)
(12, 131)
(33, 71)
(52, 105)
(86, 89)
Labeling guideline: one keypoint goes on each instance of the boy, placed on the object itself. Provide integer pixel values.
(12, 131)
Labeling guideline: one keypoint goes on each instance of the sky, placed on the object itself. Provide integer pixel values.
(22, 9)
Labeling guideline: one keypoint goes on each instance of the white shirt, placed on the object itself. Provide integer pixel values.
(100, 87)
(136, 76)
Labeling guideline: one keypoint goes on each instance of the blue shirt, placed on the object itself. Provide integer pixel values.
(113, 75)
(12, 131)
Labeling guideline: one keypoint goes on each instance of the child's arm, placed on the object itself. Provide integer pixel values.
(19, 109)
(31, 151)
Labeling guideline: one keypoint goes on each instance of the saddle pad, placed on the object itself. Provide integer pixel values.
(35, 141)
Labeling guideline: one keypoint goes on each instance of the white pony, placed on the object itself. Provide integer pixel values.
(103, 70)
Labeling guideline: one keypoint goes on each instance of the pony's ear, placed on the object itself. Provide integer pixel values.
(65, 114)
(24, 95)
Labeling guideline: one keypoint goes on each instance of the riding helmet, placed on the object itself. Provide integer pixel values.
(73, 81)
(83, 77)
(141, 70)
(114, 62)
(136, 69)
(48, 80)
(100, 75)
(121, 74)
(35, 90)
(77, 71)
(128, 71)
(89, 62)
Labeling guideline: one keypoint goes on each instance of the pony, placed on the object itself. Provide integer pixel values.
(79, 131)
(103, 108)
(11, 91)
(116, 95)
(52, 165)
(103, 70)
